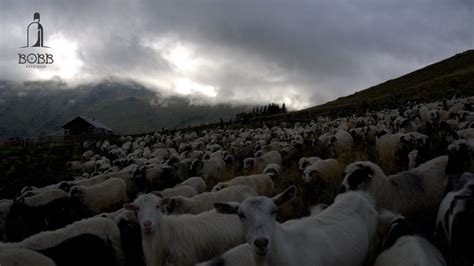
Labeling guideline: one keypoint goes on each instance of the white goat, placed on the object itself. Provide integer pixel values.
(183, 239)
(339, 235)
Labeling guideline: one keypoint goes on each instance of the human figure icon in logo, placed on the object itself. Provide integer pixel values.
(34, 32)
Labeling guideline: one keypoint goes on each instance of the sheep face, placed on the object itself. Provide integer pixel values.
(258, 215)
(358, 176)
(77, 192)
(147, 210)
(248, 163)
(196, 166)
(310, 175)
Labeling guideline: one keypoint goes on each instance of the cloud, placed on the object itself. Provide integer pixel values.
(298, 52)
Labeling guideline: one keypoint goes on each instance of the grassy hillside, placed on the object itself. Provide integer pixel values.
(452, 76)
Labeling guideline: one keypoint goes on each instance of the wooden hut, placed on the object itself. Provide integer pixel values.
(85, 126)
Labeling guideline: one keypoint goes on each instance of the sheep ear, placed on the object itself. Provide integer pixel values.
(172, 202)
(285, 196)
(226, 207)
(130, 206)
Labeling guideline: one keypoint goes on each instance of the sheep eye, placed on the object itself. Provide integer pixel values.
(241, 216)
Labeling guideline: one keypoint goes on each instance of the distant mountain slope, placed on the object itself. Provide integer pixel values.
(38, 108)
(449, 77)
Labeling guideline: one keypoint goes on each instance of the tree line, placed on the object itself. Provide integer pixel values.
(263, 110)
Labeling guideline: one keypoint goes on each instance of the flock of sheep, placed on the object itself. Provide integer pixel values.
(393, 187)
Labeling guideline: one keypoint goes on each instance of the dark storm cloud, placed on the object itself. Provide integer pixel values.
(301, 52)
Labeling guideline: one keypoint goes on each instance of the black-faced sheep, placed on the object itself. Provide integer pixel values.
(401, 246)
(416, 194)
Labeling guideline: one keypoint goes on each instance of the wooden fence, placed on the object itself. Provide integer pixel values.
(48, 140)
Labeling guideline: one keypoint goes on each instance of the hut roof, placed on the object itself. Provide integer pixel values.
(92, 121)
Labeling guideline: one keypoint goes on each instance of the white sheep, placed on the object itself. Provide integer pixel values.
(106, 196)
(91, 181)
(87, 155)
(184, 191)
(402, 247)
(196, 182)
(416, 193)
(74, 166)
(306, 161)
(339, 235)
(87, 235)
(328, 169)
(262, 184)
(209, 168)
(270, 147)
(341, 143)
(43, 198)
(322, 180)
(23, 256)
(387, 147)
(205, 201)
(257, 164)
(183, 239)
(273, 170)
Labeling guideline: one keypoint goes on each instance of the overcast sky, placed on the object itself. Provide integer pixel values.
(299, 52)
